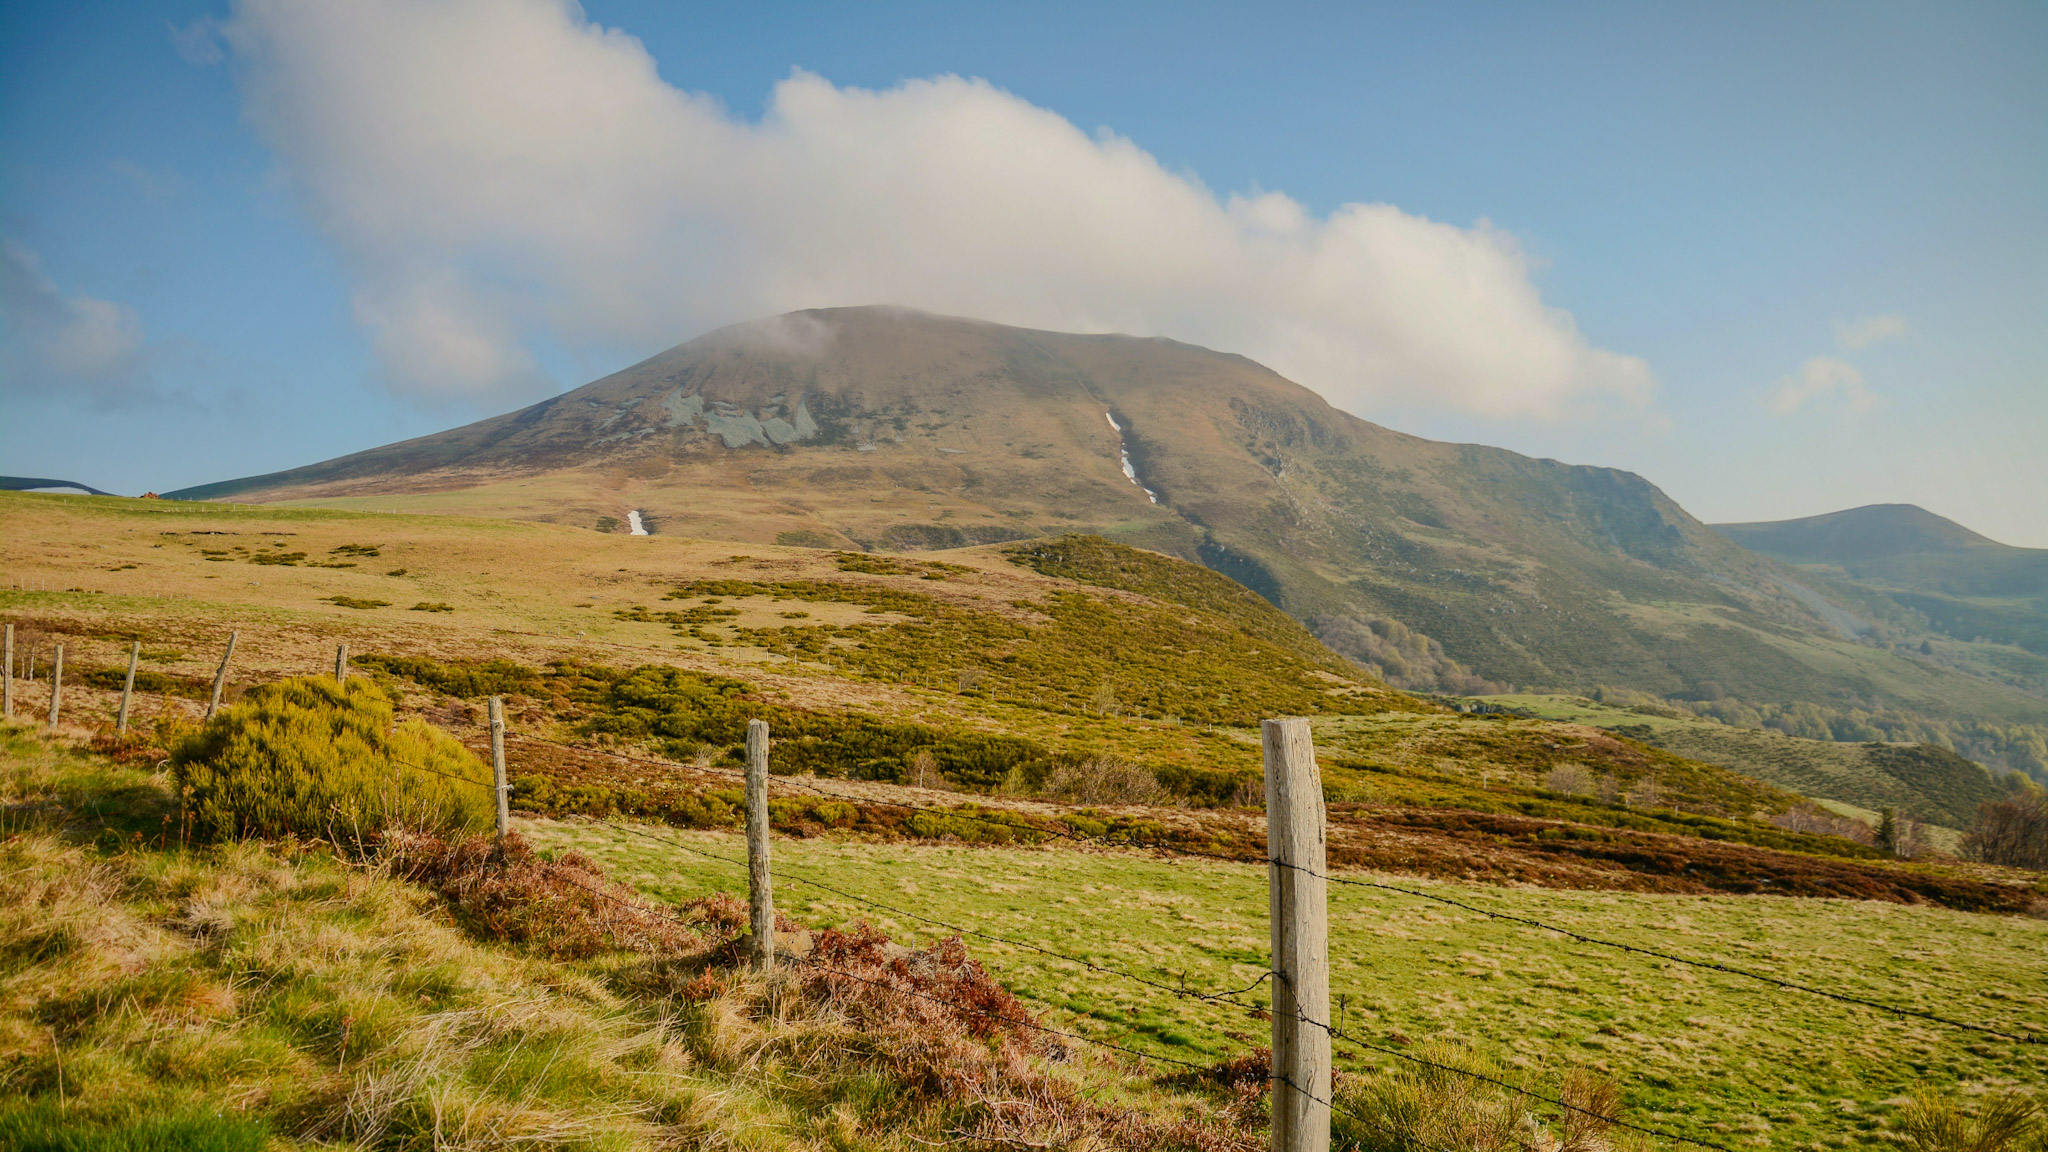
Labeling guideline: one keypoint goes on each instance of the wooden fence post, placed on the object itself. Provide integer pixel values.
(760, 896)
(341, 663)
(7, 709)
(220, 678)
(1301, 947)
(498, 785)
(128, 687)
(56, 686)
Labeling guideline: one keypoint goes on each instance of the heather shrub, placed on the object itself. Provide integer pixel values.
(313, 757)
(564, 907)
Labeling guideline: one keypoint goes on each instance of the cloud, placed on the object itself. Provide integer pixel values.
(504, 175)
(67, 347)
(1855, 335)
(199, 42)
(1822, 378)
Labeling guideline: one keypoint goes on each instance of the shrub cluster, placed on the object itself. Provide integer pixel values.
(692, 713)
(1073, 652)
(466, 678)
(313, 757)
(2013, 831)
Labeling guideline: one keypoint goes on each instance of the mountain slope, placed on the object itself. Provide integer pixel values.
(1929, 588)
(43, 484)
(1440, 565)
(1902, 546)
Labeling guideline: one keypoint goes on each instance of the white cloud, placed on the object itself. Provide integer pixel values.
(1855, 335)
(500, 173)
(1822, 378)
(66, 346)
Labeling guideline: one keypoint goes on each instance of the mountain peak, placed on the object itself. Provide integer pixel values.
(1857, 535)
(1440, 565)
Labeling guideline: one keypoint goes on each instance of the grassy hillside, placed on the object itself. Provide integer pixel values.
(1443, 566)
(1133, 680)
(1919, 780)
(1706, 1055)
(269, 995)
(1935, 593)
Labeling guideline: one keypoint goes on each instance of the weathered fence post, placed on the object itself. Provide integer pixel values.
(341, 663)
(220, 678)
(1301, 947)
(128, 687)
(7, 709)
(760, 896)
(56, 686)
(498, 784)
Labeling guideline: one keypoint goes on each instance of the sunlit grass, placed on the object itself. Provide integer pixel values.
(1703, 1052)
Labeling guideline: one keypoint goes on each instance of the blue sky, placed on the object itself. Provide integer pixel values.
(1779, 259)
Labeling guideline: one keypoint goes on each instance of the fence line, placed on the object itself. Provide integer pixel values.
(1192, 1065)
(1712, 965)
(1181, 991)
(1219, 998)
(1225, 997)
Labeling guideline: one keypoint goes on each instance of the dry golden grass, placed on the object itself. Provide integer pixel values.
(275, 989)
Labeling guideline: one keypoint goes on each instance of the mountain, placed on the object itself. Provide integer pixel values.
(1437, 565)
(1927, 585)
(1901, 546)
(42, 484)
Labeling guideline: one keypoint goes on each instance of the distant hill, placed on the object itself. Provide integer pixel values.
(1436, 565)
(1904, 546)
(1919, 780)
(42, 484)
(1927, 586)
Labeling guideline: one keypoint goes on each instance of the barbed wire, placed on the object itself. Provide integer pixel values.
(1710, 965)
(1528, 921)
(954, 1005)
(1226, 998)
(1334, 1033)
(1181, 991)
(1348, 1038)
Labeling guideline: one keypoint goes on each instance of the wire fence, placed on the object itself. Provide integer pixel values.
(1229, 996)
(1225, 996)
(1181, 850)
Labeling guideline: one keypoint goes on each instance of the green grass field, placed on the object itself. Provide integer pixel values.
(1705, 1054)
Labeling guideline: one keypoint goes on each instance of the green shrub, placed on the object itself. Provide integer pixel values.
(317, 758)
(356, 602)
(148, 680)
(468, 679)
